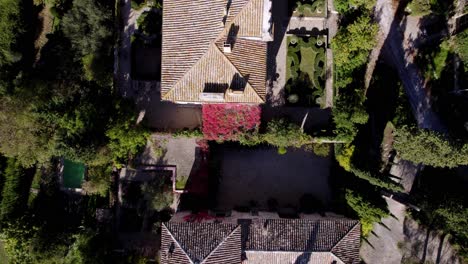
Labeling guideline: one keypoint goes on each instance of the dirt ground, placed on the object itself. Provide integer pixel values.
(167, 150)
(44, 27)
(259, 174)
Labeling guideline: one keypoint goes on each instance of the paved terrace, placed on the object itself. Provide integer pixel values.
(261, 173)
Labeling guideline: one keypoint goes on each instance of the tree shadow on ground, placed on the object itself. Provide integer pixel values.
(280, 24)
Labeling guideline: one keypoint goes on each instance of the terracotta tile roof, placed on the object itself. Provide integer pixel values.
(261, 257)
(255, 70)
(258, 241)
(200, 243)
(347, 249)
(202, 78)
(191, 60)
(250, 19)
(296, 235)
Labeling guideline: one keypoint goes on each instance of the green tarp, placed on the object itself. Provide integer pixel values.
(73, 174)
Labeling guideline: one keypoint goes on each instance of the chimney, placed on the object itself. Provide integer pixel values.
(227, 48)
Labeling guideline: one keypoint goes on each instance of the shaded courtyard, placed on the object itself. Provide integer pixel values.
(261, 174)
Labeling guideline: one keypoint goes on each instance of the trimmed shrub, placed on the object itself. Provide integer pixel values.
(282, 150)
(319, 149)
(281, 133)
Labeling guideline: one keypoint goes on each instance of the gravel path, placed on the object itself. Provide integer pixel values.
(277, 51)
(398, 50)
(396, 41)
(329, 81)
(382, 245)
(385, 14)
(332, 25)
(124, 62)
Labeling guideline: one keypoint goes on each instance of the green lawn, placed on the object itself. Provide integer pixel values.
(307, 64)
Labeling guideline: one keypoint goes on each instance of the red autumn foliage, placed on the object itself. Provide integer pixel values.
(198, 217)
(229, 121)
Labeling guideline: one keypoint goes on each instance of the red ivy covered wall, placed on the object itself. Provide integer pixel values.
(228, 121)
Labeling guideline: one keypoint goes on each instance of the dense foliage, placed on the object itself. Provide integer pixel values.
(158, 194)
(282, 134)
(346, 6)
(344, 154)
(367, 212)
(126, 139)
(426, 7)
(10, 27)
(65, 105)
(430, 148)
(461, 47)
(14, 193)
(351, 47)
(59, 104)
(348, 116)
(88, 18)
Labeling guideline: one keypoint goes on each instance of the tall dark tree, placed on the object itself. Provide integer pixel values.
(15, 191)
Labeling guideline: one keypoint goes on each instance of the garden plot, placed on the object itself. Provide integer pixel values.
(310, 8)
(305, 70)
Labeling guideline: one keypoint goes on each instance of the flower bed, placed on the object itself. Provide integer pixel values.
(229, 122)
(305, 70)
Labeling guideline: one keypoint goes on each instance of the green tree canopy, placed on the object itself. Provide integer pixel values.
(126, 138)
(87, 25)
(429, 148)
(15, 191)
(23, 136)
(367, 212)
(10, 26)
(352, 46)
(461, 47)
(282, 134)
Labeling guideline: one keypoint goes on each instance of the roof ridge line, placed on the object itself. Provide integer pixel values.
(206, 52)
(177, 242)
(197, 62)
(333, 254)
(187, 72)
(222, 242)
(341, 239)
(232, 22)
(237, 70)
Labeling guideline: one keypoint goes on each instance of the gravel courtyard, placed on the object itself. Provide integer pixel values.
(261, 173)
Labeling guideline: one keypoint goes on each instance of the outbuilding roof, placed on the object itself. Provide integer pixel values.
(255, 241)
